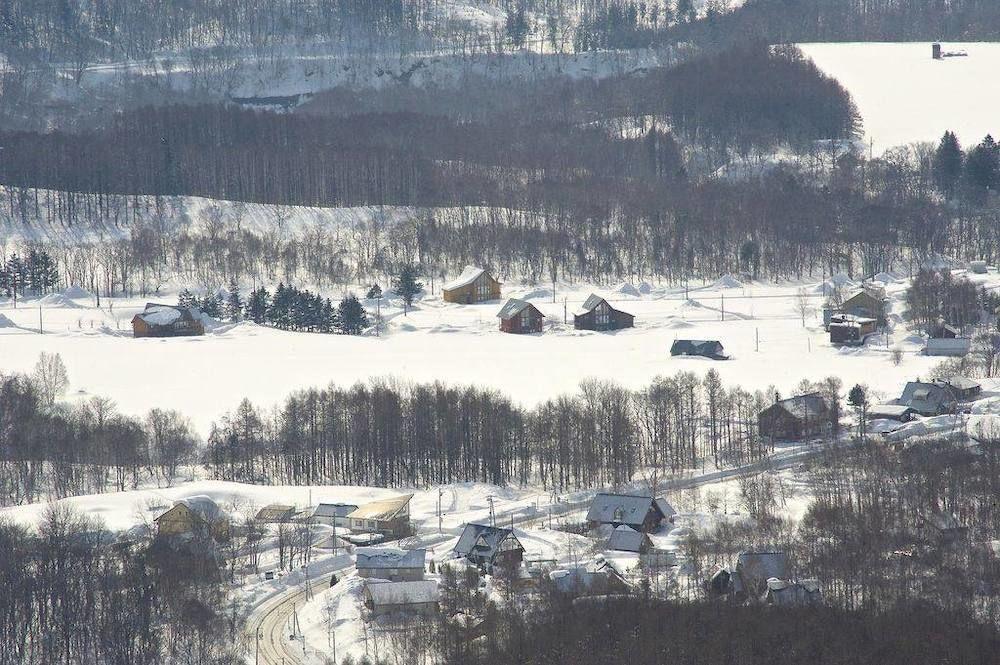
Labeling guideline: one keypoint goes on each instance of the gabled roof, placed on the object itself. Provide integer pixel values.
(665, 508)
(275, 511)
(926, 397)
(709, 348)
(468, 276)
(783, 592)
(810, 406)
(156, 314)
(513, 307)
(481, 538)
(959, 383)
(390, 557)
(334, 510)
(204, 507)
(626, 539)
(385, 509)
(402, 593)
(592, 302)
(762, 565)
(628, 509)
(888, 410)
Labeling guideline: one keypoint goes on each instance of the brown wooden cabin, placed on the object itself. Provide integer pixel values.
(166, 321)
(795, 418)
(597, 314)
(473, 285)
(520, 317)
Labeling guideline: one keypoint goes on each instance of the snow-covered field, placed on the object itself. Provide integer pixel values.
(904, 95)
(459, 344)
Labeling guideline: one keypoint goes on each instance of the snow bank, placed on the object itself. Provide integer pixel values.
(6, 323)
(57, 300)
(884, 278)
(627, 289)
(77, 292)
(727, 282)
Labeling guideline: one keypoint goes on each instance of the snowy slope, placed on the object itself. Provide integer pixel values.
(904, 95)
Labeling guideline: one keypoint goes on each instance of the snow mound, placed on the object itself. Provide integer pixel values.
(842, 280)
(627, 289)
(885, 278)
(645, 288)
(536, 294)
(57, 300)
(6, 323)
(77, 292)
(727, 282)
(678, 323)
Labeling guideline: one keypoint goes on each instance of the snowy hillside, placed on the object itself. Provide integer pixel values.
(904, 95)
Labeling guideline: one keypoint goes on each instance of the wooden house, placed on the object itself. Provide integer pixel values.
(795, 418)
(420, 597)
(697, 347)
(963, 388)
(597, 314)
(591, 580)
(520, 317)
(866, 304)
(626, 539)
(489, 546)
(333, 514)
(899, 412)
(191, 517)
(640, 512)
(389, 563)
(928, 399)
(389, 517)
(473, 285)
(166, 321)
(275, 513)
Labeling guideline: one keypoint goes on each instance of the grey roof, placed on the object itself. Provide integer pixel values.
(334, 510)
(468, 276)
(810, 406)
(491, 536)
(665, 508)
(582, 578)
(403, 593)
(888, 411)
(959, 383)
(782, 592)
(710, 348)
(592, 301)
(204, 507)
(513, 307)
(626, 539)
(621, 508)
(926, 398)
(762, 565)
(389, 557)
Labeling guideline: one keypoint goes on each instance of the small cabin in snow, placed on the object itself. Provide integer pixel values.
(795, 418)
(489, 546)
(419, 597)
(850, 329)
(520, 317)
(389, 563)
(389, 517)
(928, 399)
(697, 347)
(473, 285)
(597, 314)
(166, 321)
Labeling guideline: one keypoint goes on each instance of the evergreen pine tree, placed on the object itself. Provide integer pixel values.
(947, 165)
(353, 317)
(234, 303)
(982, 166)
(257, 305)
(210, 305)
(186, 299)
(407, 286)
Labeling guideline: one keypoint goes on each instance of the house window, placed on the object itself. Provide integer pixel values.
(483, 288)
(526, 318)
(601, 316)
(619, 515)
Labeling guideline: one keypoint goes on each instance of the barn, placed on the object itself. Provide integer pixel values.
(166, 321)
(709, 348)
(597, 314)
(473, 285)
(520, 317)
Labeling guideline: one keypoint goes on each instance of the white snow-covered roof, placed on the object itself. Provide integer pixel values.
(381, 510)
(403, 593)
(390, 557)
(160, 315)
(468, 276)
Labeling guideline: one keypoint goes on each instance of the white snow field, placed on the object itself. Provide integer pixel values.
(204, 377)
(904, 95)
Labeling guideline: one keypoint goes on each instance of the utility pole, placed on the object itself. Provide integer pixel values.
(565, 314)
(757, 342)
(440, 492)
(723, 305)
(40, 331)
(493, 517)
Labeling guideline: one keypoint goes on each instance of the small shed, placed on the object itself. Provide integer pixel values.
(520, 317)
(707, 348)
(419, 597)
(850, 329)
(472, 286)
(795, 417)
(978, 267)
(793, 594)
(597, 314)
(955, 347)
(626, 539)
(390, 563)
(166, 321)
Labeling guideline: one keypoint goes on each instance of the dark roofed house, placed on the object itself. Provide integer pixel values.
(520, 317)
(275, 513)
(928, 399)
(597, 314)
(389, 563)
(473, 285)
(794, 594)
(850, 329)
(795, 417)
(867, 305)
(166, 321)
(961, 387)
(754, 569)
(642, 513)
(489, 546)
(709, 348)
(419, 597)
(626, 539)
(333, 514)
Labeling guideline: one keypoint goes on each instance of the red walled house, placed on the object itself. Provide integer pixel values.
(520, 317)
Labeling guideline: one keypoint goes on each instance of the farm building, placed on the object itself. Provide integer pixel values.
(489, 546)
(193, 516)
(942, 527)
(166, 321)
(948, 346)
(333, 514)
(961, 387)
(275, 513)
(520, 317)
(850, 329)
(597, 314)
(390, 517)
(696, 347)
(642, 513)
(928, 399)
(390, 597)
(473, 285)
(866, 304)
(626, 539)
(795, 417)
(389, 563)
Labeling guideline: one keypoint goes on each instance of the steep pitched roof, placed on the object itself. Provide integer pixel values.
(810, 406)
(513, 307)
(481, 538)
(334, 510)
(390, 557)
(403, 593)
(626, 539)
(622, 508)
(156, 314)
(468, 276)
(926, 397)
(381, 510)
(710, 348)
(762, 565)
